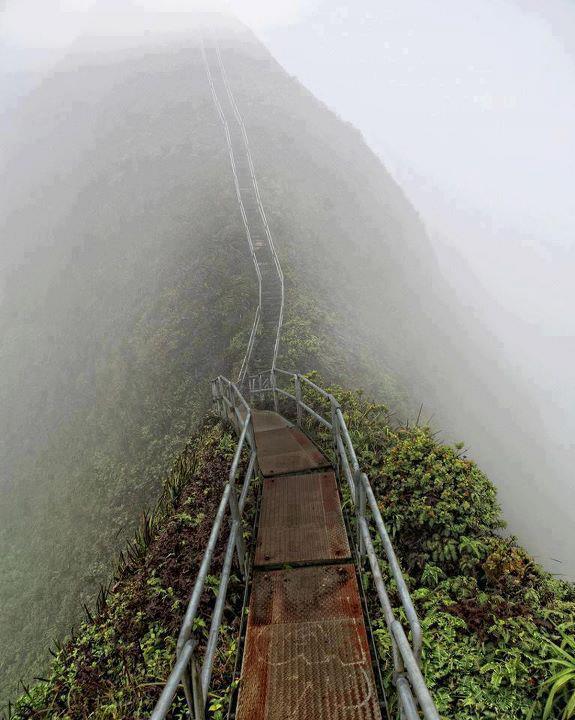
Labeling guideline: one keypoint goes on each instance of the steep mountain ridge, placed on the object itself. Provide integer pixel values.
(131, 284)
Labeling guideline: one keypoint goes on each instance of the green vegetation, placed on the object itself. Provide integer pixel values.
(115, 665)
(498, 630)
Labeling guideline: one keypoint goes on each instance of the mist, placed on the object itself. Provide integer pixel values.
(472, 108)
(448, 265)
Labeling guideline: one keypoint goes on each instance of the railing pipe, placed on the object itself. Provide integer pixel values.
(360, 498)
(297, 382)
(236, 519)
(346, 468)
(402, 589)
(219, 609)
(275, 391)
(406, 700)
(171, 687)
(347, 439)
(247, 480)
(415, 677)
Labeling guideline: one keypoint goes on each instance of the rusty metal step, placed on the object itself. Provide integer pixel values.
(287, 450)
(301, 521)
(306, 655)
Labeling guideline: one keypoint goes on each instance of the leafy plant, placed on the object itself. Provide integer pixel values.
(561, 685)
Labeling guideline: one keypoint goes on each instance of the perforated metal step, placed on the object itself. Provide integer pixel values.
(287, 450)
(306, 655)
(301, 521)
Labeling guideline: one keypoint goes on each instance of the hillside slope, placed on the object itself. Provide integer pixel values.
(127, 283)
(490, 615)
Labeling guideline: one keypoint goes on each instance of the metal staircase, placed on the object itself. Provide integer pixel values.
(307, 654)
(263, 344)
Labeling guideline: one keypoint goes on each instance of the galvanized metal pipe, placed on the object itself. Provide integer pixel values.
(236, 518)
(360, 510)
(238, 453)
(347, 438)
(247, 480)
(406, 699)
(297, 382)
(318, 417)
(402, 589)
(317, 388)
(191, 610)
(172, 683)
(219, 608)
(346, 468)
(285, 393)
(415, 677)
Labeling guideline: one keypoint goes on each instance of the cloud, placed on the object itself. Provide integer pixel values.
(57, 23)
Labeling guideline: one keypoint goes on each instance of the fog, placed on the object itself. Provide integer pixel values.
(471, 106)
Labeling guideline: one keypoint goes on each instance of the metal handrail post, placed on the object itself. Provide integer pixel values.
(299, 410)
(197, 691)
(215, 396)
(360, 503)
(336, 435)
(237, 526)
(274, 388)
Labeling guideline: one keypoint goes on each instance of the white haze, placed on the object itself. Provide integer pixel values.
(471, 105)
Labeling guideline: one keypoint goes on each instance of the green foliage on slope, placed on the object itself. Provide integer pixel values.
(115, 665)
(497, 629)
(492, 618)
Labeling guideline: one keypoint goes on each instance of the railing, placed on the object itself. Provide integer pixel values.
(259, 310)
(412, 691)
(187, 671)
(223, 120)
(263, 216)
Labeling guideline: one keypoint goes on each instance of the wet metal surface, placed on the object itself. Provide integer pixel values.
(301, 521)
(266, 420)
(306, 655)
(286, 450)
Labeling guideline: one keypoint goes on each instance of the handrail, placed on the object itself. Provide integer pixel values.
(271, 244)
(412, 691)
(186, 671)
(223, 120)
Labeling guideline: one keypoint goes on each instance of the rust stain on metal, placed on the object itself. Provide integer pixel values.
(301, 521)
(307, 655)
(284, 450)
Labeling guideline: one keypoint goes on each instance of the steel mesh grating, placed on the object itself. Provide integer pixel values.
(301, 521)
(307, 655)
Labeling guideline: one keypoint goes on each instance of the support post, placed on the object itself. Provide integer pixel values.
(335, 436)
(297, 381)
(237, 521)
(360, 502)
(274, 386)
(199, 700)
